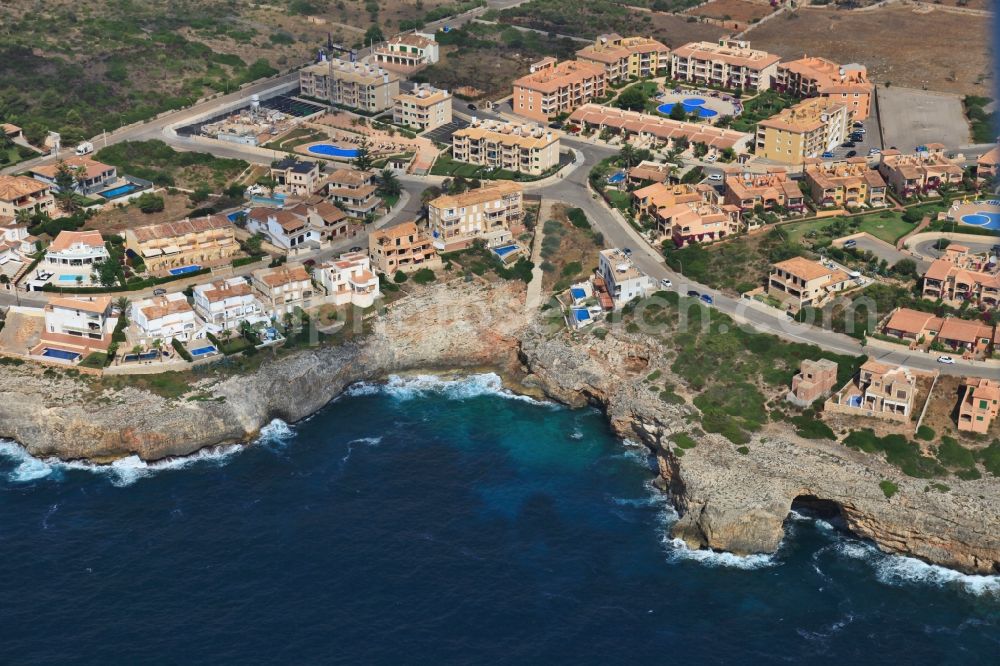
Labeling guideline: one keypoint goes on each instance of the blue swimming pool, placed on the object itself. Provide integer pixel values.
(62, 354)
(854, 401)
(617, 178)
(120, 191)
(201, 351)
(185, 269)
(330, 150)
(581, 315)
(578, 293)
(71, 278)
(236, 215)
(983, 218)
(145, 356)
(691, 105)
(504, 250)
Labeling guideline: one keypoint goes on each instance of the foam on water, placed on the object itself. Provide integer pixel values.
(678, 551)
(364, 441)
(277, 432)
(461, 388)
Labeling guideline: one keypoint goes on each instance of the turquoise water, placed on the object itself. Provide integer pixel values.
(985, 219)
(330, 150)
(441, 523)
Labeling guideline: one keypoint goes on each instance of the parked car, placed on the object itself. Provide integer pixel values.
(947, 360)
(850, 243)
(715, 177)
(693, 294)
(710, 158)
(874, 151)
(627, 251)
(472, 107)
(860, 130)
(706, 299)
(850, 144)
(355, 249)
(858, 123)
(827, 155)
(666, 284)
(852, 153)
(159, 292)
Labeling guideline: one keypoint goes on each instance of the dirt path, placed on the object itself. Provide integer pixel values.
(533, 301)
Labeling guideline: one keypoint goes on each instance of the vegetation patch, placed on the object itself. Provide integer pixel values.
(888, 488)
(898, 451)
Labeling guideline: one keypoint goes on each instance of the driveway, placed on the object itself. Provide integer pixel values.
(884, 250)
(912, 118)
(926, 248)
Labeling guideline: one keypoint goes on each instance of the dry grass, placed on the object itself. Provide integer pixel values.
(737, 10)
(923, 48)
(576, 248)
(114, 219)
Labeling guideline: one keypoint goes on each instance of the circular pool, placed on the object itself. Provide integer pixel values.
(330, 150)
(690, 109)
(983, 219)
(693, 101)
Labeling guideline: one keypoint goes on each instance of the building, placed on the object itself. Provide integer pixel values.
(355, 85)
(494, 213)
(961, 280)
(620, 278)
(730, 64)
(799, 282)
(349, 280)
(962, 335)
(296, 176)
(186, 244)
(91, 175)
(20, 194)
(649, 172)
(808, 129)
(657, 130)
(814, 380)
(687, 213)
(12, 131)
(75, 327)
(226, 304)
(648, 200)
(518, 147)
(554, 88)
(627, 57)
(76, 248)
(425, 108)
(282, 289)
(987, 165)
(922, 172)
(913, 325)
(811, 76)
(401, 248)
(353, 192)
(772, 189)
(407, 53)
(167, 317)
(845, 184)
(979, 405)
(880, 390)
(290, 228)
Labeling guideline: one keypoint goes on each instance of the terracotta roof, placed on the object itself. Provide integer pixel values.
(221, 290)
(95, 304)
(282, 275)
(15, 187)
(67, 239)
(568, 72)
(479, 195)
(350, 177)
(161, 306)
(806, 269)
(913, 322)
(964, 331)
(753, 58)
(92, 168)
(181, 228)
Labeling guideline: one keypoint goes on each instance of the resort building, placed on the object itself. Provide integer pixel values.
(282, 289)
(553, 88)
(814, 380)
(167, 317)
(987, 165)
(184, 245)
(20, 194)
(425, 108)
(494, 213)
(657, 131)
(353, 192)
(76, 249)
(879, 390)
(730, 63)
(922, 172)
(979, 405)
(845, 184)
(811, 76)
(407, 53)
(770, 190)
(518, 147)
(75, 327)
(349, 280)
(401, 248)
(922, 328)
(687, 213)
(290, 228)
(295, 176)
(955, 281)
(808, 129)
(649, 172)
(626, 58)
(356, 85)
(799, 282)
(620, 279)
(225, 304)
(91, 175)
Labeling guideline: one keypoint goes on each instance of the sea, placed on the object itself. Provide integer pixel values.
(433, 520)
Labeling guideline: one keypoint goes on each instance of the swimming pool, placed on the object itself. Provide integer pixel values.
(854, 401)
(504, 250)
(119, 191)
(71, 278)
(330, 150)
(185, 269)
(61, 354)
(145, 356)
(617, 178)
(581, 316)
(201, 351)
(236, 215)
(691, 106)
(578, 294)
(984, 219)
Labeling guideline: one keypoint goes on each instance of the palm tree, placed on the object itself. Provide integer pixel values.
(23, 216)
(389, 185)
(158, 346)
(122, 303)
(136, 350)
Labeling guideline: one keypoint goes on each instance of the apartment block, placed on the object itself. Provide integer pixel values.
(494, 213)
(76, 248)
(626, 58)
(349, 280)
(851, 184)
(730, 63)
(354, 192)
(165, 318)
(356, 85)
(425, 108)
(805, 130)
(921, 172)
(553, 88)
(291, 228)
(518, 147)
(226, 304)
(20, 194)
(687, 213)
(298, 177)
(814, 380)
(799, 282)
(283, 288)
(811, 76)
(957, 282)
(620, 278)
(770, 189)
(401, 248)
(657, 130)
(188, 243)
(407, 53)
(91, 175)
(979, 405)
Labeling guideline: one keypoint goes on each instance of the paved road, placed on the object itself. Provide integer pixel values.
(887, 251)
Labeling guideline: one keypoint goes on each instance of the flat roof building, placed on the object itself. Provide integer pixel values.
(808, 129)
(811, 76)
(352, 84)
(553, 88)
(425, 108)
(519, 147)
(730, 63)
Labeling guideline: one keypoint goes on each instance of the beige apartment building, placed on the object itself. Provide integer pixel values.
(626, 58)
(730, 63)
(283, 288)
(425, 108)
(353, 192)
(352, 84)
(851, 183)
(295, 176)
(554, 87)
(799, 282)
(805, 130)
(956, 282)
(770, 189)
(819, 77)
(202, 242)
(921, 172)
(519, 147)
(401, 248)
(20, 193)
(687, 213)
(494, 213)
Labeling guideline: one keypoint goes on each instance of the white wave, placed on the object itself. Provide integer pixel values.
(678, 551)
(460, 388)
(366, 441)
(276, 432)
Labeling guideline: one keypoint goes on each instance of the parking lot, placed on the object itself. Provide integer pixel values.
(912, 118)
(871, 138)
(443, 134)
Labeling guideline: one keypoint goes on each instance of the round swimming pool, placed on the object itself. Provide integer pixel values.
(983, 219)
(330, 150)
(693, 101)
(690, 109)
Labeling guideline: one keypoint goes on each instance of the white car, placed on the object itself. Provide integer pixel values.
(874, 151)
(859, 130)
(947, 360)
(715, 178)
(666, 284)
(710, 158)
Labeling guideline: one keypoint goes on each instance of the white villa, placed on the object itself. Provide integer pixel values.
(75, 327)
(293, 227)
(622, 280)
(224, 304)
(168, 317)
(349, 279)
(74, 249)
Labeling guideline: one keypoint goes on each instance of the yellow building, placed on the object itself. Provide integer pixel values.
(352, 84)
(493, 213)
(521, 147)
(805, 130)
(199, 243)
(425, 108)
(850, 183)
(627, 57)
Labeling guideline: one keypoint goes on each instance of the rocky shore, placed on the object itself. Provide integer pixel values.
(728, 500)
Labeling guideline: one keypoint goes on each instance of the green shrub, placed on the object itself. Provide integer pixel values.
(684, 440)
(400, 277)
(424, 276)
(578, 218)
(926, 433)
(953, 455)
(179, 348)
(742, 450)
(898, 451)
(888, 488)
(990, 457)
(653, 376)
(600, 333)
(812, 428)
